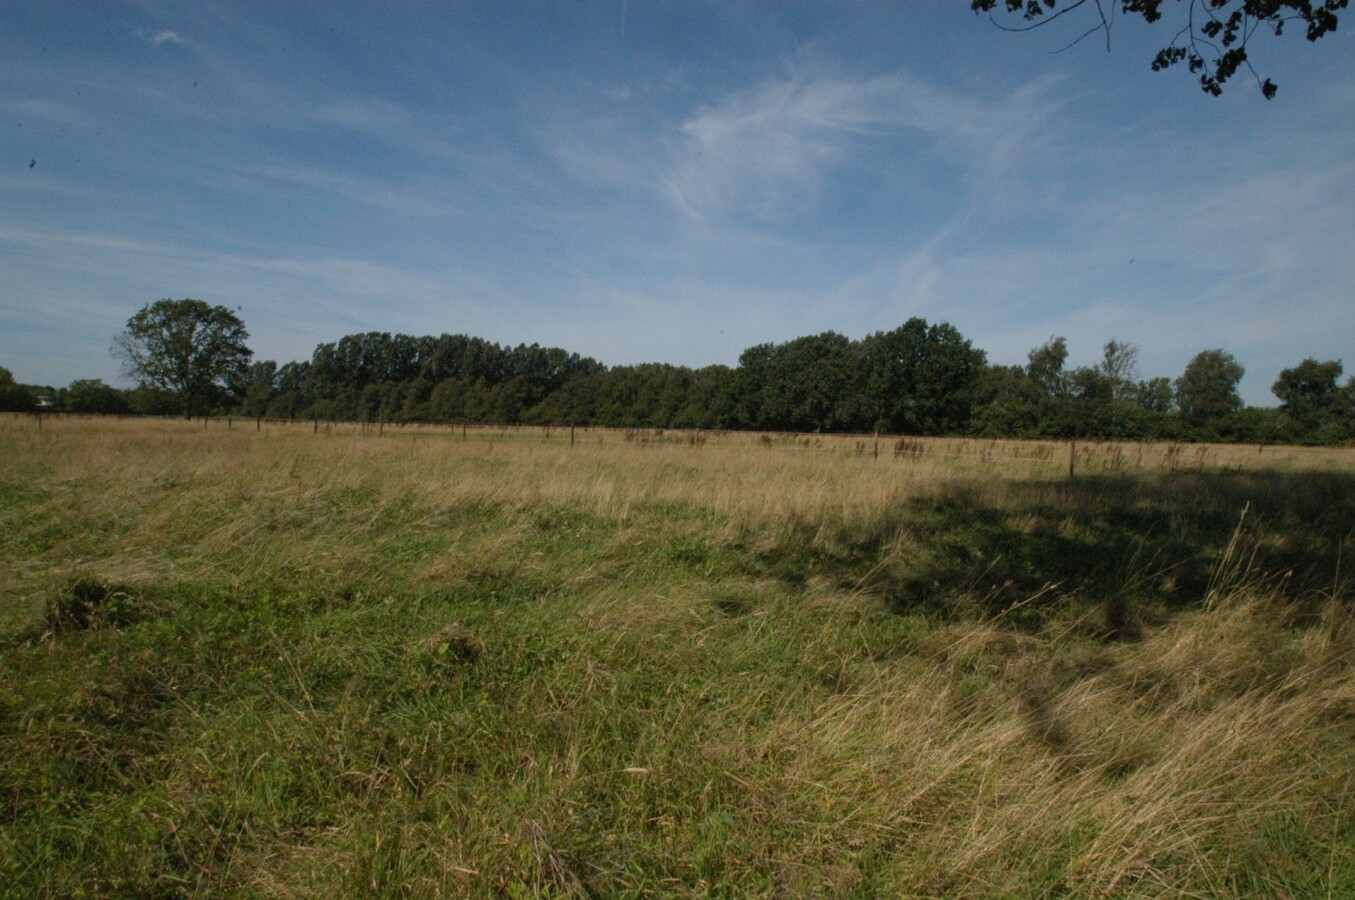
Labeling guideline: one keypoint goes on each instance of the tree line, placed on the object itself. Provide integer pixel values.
(919, 379)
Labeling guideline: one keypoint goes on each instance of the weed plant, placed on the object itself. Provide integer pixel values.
(285, 662)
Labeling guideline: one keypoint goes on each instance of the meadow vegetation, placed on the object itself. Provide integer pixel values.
(290, 661)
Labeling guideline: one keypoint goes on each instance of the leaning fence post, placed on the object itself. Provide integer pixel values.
(1072, 459)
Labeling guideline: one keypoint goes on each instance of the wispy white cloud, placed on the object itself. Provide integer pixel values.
(761, 149)
(46, 111)
(772, 147)
(419, 197)
(157, 38)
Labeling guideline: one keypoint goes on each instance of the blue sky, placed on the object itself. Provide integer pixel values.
(664, 181)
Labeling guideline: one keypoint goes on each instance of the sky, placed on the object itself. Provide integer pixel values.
(665, 181)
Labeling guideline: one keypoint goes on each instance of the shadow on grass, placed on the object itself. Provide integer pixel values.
(1123, 544)
(1122, 540)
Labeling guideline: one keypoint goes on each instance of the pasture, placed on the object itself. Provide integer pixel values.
(296, 660)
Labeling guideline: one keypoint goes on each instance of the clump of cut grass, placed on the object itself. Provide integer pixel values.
(90, 602)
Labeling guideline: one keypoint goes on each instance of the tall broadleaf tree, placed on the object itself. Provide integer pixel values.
(1207, 389)
(921, 378)
(188, 347)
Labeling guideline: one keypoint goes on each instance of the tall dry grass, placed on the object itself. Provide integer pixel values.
(309, 663)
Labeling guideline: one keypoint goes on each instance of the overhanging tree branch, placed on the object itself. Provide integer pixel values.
(1213, 42)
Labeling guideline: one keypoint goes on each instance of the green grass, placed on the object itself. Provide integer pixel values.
(357, 671)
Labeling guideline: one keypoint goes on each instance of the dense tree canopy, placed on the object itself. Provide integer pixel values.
(1211, 37)
(1315, 406)
(186, 347)
(1208, 387)
(920, 378)
(13, 398)
(91, 395)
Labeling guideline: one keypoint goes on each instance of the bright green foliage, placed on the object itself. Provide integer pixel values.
(186, 347)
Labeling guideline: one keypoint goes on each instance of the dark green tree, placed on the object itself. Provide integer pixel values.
(1156, 395)
(257, 387)
(186, 347)
(921, 379)
(148, 400)
(1311, 399)
(710, 401)
(91, 395)
(1007, 404)
(1211, 37)
(13, 397)
(1045, 367)
(1207, 389)
(812, 383)
(290, 394)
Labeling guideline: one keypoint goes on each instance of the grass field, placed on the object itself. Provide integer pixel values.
(260, 659)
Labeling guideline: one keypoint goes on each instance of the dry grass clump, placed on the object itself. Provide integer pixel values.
(999, 764)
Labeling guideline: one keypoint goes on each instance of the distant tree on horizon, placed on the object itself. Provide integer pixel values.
(1207, 390)
(187, 347)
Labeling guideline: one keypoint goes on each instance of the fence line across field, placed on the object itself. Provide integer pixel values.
(1078, 456)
